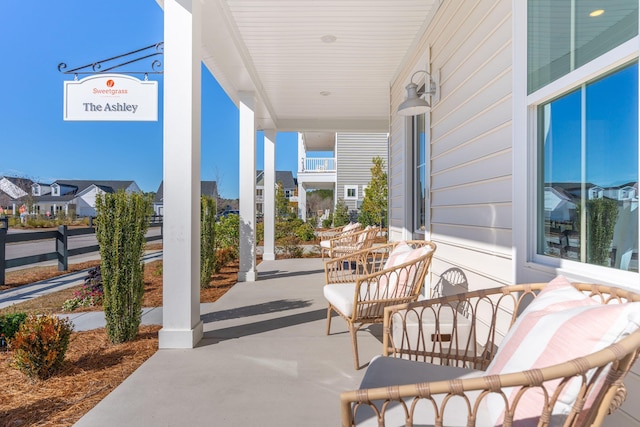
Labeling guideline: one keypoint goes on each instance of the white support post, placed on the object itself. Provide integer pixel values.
(302, 202)
(269, 193)
(181, 324)
(247, 181)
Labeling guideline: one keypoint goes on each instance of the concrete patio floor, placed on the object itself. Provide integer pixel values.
(264, 361)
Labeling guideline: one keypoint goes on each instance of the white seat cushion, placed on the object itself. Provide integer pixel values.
(341, 296)
(325, 244)
(387, 371)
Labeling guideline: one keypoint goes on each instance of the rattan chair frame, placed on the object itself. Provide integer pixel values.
(371, 296)
(477, 350)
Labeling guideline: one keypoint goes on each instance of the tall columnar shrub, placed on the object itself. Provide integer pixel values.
(122, 221)
(601, 221)
(40, 345)
(207, 239)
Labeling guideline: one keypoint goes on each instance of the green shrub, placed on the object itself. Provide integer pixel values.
(10, 323)
(341, 215)
(286, 228)
(40, 345)
(122, 221)
(207, 239)
(326, 223)
(290, 247)
(228, 233)
(260, 232)
(305, 232)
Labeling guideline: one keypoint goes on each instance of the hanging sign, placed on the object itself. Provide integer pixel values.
(110, 97)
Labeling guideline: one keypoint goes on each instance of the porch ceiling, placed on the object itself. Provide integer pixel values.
(305, 80)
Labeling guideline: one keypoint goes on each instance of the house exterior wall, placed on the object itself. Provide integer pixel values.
(354, 155)
(469, 173)
(480, 200)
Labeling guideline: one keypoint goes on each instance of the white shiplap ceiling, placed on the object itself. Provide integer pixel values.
(275, 48)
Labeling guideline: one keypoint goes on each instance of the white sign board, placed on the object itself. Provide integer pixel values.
(110, 97)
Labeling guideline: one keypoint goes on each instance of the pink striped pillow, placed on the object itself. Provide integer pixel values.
(561, 324)
(395, 284)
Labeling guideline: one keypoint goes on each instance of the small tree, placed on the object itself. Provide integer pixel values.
(207, 239)
(341, 215)
(122, 221)
(374, 204)
(282, 203)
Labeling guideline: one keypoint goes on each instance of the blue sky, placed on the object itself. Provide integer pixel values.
(35, 36)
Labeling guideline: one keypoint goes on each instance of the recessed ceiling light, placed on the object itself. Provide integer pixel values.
(325, 93)
(329, 38)
(596, 12)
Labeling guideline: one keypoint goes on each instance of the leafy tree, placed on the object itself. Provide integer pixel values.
(374, 204)
(341, 215)
(122, 221)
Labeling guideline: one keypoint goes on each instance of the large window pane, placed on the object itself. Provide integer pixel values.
(566, 34)
(589, 194)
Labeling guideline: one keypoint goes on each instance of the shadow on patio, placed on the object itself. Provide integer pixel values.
(264, 360)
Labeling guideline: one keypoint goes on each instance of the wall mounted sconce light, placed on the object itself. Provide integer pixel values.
(414, 104)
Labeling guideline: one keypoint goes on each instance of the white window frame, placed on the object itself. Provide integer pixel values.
(528, 263)
(346, 192)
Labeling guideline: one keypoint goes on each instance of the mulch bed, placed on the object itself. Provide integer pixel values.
(93, 367)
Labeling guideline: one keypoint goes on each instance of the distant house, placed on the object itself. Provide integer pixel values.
(347, 171)
(289, 185)
(75, 197)
(207, 188)
(13, 193)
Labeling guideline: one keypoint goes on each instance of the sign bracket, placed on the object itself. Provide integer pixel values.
(119, 61)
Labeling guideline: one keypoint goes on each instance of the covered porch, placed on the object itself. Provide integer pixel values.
(264, 360)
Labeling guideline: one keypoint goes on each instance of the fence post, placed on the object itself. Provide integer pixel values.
(62, 248)
(4, 227)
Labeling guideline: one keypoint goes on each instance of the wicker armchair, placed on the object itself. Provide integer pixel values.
(346, 236)
(360, 285)
(434, 373)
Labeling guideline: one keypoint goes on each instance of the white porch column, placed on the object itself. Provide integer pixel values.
(181, 324)
(302, 202)
(247, 181)
(269, 193)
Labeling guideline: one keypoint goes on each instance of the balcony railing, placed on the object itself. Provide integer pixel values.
(318, 164)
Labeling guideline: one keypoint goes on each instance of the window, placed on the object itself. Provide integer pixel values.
(259, 192)
(587, 137)
(419, 173)
(350, 191)
(567, 34)
(588, 146)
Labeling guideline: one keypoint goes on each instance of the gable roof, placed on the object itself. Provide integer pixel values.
(207, 188)
(13, 188)
(285, 177)
(78, 186)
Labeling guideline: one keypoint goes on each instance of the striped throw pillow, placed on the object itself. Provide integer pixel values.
(395, 283)
(561, 324)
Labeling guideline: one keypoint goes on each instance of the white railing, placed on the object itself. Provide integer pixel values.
(318, 164)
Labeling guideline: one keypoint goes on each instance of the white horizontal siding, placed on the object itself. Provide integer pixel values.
(470, 165)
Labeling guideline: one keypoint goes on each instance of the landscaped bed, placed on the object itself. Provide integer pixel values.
(93, 366)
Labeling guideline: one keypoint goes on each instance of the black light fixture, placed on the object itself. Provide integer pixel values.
(415, 104)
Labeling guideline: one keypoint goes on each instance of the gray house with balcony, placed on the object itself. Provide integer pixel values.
(345, 167)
